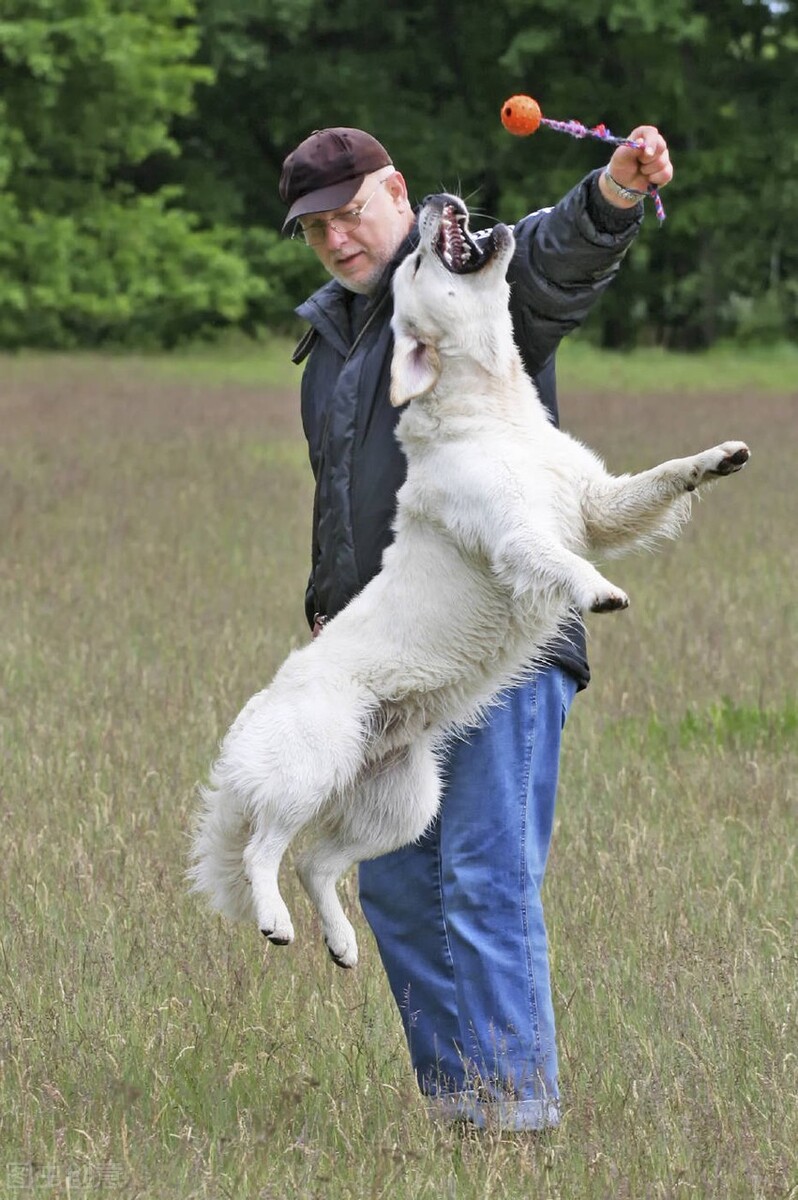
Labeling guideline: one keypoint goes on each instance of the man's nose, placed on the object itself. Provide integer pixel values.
(333, 238)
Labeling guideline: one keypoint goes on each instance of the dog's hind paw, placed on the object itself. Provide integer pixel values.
(343, 951)
(280, 932)
(277, 939)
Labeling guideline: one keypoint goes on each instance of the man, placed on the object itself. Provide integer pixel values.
(457, 917)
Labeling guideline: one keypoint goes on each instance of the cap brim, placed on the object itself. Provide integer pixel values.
(324, 199)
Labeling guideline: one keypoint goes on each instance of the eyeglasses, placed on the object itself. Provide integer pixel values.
(315, 232)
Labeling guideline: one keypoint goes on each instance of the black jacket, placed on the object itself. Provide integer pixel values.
(565, 257)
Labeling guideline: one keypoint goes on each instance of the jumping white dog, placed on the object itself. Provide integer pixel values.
(494, 518)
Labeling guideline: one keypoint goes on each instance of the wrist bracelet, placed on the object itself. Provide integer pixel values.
(623, 192)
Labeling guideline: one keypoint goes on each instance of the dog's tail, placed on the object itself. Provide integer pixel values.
(217, 865)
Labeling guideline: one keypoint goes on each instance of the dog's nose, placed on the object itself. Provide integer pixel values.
(437, 199)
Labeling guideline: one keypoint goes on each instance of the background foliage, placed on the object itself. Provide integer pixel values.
(140, 149)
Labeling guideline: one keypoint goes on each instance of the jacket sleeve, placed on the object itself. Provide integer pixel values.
(565, 257)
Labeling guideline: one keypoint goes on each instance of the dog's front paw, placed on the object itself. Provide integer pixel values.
(734, 456)
(612, 601)
(722, 460)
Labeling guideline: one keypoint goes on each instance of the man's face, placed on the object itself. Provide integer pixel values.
(357, 257)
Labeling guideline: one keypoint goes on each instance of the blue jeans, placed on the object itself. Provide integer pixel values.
(459, 921)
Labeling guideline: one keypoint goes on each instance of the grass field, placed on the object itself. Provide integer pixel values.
(155, 518)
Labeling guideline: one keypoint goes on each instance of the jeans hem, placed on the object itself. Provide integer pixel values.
(509, 1116)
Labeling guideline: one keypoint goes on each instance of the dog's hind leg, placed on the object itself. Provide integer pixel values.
(262, 858)
(320, 867)
(293, 748)
(322, 771)
(620, 511)
(387, 810)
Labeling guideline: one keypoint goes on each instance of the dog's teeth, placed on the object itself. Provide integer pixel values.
(453, 247)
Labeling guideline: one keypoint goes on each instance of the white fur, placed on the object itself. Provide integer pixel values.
(493, 521)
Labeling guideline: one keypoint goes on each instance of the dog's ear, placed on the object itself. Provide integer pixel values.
(414, 370)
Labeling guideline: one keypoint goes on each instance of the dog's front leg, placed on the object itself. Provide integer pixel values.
(530, 562)
(619, 511)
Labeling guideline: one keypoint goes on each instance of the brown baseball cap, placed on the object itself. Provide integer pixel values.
(327, 169)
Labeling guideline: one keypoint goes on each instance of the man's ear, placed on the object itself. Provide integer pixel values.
(415, 369)
(397, 189)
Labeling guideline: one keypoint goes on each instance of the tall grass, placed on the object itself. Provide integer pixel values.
(241, 361)
(156, 527)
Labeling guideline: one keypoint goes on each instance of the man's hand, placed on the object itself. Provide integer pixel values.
(635, 167)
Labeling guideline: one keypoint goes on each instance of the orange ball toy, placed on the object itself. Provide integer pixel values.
(521, 115)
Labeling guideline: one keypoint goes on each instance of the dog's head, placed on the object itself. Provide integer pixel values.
(450, 299)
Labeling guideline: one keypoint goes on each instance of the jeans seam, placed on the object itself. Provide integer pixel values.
(534, 1007)
(445, 923)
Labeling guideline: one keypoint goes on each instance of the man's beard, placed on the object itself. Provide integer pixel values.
(361, 287)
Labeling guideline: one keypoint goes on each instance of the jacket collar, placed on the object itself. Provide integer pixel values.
(327, 309)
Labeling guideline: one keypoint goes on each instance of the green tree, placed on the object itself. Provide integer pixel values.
(140, 149)
(429, 80)
(88, 89)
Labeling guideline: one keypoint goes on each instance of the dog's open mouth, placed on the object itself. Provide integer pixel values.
(459, 252)
(456, 249)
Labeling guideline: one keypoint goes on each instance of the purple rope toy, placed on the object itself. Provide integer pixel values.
(521, 116)
(578, 130)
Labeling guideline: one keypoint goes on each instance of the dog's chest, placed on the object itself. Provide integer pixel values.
(478, 486)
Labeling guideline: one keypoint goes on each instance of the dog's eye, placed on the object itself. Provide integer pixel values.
(415, 269)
